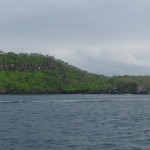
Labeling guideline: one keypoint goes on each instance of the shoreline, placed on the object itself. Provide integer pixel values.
(68, 92)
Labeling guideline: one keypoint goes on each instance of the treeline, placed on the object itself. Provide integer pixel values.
(36, 73)
(27, 62)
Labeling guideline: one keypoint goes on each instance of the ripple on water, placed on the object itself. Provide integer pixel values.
(75, 122)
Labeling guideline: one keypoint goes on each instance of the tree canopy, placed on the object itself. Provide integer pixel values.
(36, 73)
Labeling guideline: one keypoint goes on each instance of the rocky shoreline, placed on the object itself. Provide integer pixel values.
(138, 89)
(70, 92)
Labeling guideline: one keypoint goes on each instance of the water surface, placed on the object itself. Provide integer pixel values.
(75, 122)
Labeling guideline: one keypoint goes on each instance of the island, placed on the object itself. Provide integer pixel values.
(39, 74)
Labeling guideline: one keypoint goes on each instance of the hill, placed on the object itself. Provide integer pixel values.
(36, 73)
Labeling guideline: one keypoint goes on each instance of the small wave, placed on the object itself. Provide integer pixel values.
(43, 101)
(67, 101)
(80, 101)
(84, 100)
(13, 101)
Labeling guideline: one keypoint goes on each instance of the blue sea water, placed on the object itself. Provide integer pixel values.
(74, 122)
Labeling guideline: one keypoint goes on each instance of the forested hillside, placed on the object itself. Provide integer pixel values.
(35, 73)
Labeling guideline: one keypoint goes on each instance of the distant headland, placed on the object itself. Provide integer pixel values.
(38, 74)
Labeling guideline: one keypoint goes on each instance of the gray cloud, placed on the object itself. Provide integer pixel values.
(101, 36)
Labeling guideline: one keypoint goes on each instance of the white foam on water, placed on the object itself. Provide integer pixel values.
(78, 100)
(84, 100)
(6, 101)
(21, 101)
(43, 101)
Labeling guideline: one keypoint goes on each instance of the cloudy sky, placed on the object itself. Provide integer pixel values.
(109, 37)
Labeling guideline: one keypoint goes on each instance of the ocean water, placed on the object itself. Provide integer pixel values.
(74, 122)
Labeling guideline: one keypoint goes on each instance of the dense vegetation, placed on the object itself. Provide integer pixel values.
(35, 73)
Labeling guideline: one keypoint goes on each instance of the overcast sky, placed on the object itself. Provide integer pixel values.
(109, 37)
